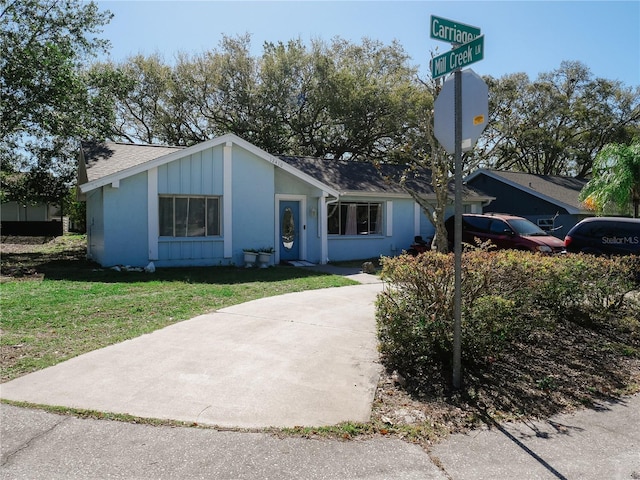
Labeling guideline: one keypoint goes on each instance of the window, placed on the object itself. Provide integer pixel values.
(546, 224)
(346, 218)
(182, 216)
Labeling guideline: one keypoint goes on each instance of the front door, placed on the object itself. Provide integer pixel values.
(289, 230)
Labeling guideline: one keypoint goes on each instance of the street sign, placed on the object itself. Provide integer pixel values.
(475, 111)
(452, 32)
(459, 57)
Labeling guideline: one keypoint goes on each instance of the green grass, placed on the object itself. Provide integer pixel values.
(59, 306)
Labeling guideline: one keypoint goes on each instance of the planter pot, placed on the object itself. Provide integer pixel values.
(250, 259)
(264, 259)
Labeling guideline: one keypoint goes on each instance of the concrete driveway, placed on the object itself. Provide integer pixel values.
(300, 359)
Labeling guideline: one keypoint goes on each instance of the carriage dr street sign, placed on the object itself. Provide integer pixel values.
(452, 32)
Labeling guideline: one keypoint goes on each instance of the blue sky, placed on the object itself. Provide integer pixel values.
(520, 36)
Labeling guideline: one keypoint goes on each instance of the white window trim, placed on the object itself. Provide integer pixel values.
(153, 216)
(206, 198)
(227, 196)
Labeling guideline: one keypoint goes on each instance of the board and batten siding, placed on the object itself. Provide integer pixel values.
(201, 173)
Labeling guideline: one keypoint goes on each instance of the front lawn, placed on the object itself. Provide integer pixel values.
(55, 305)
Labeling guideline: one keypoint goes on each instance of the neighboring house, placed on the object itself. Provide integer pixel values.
(549, 201)
(41, 219)
(41, 212)
(204, 204)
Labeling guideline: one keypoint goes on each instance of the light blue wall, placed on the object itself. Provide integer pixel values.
(125, 222)
(197, 174)
(95, 226)
(358, 247)
(253, 203)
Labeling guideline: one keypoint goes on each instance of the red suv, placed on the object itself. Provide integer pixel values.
(505, 231)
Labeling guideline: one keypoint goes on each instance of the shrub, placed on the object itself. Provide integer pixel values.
(505, 294)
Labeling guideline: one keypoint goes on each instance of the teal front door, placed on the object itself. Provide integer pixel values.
(289, 231)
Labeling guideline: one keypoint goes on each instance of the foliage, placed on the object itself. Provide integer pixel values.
(335, 100)
(506, 295)
(47, 98)
(557, 124)
(616, 179)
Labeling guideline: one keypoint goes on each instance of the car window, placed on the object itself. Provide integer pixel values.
(525, 227)
(476, 224)
(499, 227)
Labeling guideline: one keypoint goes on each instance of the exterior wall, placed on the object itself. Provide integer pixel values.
(251, 180)
(516, 202)
(14, 212)
(253, 203)
(561, 224)
(513, 200)
(397, 232)
(95, 226)
(125, 222)
(197, 174)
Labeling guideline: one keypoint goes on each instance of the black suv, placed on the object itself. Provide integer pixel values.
(605, 235)
(505, 231)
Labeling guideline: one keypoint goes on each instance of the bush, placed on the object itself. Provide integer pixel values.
(505, 295)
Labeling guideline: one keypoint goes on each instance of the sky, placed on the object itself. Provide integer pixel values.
(520, 36)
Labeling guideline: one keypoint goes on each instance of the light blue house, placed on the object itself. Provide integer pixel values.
(203, 205)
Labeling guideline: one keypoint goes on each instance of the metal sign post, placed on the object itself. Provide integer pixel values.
(471, 50)
(457, 236)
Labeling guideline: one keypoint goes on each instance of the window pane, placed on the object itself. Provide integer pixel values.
(181, 210)
(166, 217)
(375, 218)
(195, 226)
(213, 216)
(363, 219)
(333, 219)
(349, 219)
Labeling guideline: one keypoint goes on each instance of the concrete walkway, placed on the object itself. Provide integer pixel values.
(307, 358)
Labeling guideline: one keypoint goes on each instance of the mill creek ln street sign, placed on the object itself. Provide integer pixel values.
(452, 32)
(459, 57)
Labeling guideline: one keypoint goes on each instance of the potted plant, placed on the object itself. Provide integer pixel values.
(264, 256)
(250, 257)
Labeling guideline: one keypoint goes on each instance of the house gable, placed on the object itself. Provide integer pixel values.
(109, 163)
(526, 194)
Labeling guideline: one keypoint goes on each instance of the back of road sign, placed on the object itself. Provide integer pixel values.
(475, 111)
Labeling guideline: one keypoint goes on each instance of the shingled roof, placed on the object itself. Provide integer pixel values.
(556, 189)
(356, 178)
(102, 159)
